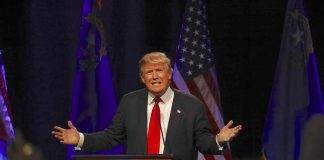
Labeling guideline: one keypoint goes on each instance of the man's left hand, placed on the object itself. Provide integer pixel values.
(227, 134)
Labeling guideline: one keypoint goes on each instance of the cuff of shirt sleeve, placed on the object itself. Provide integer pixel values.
(80, 143)
(218, 145)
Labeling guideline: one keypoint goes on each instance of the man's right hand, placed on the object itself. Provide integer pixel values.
(67, 136)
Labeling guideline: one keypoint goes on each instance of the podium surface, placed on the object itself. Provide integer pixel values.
(122, 157)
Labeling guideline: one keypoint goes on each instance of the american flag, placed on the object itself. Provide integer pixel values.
(194, 69)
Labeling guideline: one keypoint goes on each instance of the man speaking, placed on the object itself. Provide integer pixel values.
(155, 120)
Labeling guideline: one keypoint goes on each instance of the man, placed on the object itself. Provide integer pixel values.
(182, 126)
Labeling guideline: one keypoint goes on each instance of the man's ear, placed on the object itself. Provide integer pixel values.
(170, 75)
(142, 79)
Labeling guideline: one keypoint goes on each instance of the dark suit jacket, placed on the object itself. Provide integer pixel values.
(188, 131)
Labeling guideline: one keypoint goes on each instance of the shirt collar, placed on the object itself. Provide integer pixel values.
(165, 97)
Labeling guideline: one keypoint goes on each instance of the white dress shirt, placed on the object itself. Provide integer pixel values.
(165, 110)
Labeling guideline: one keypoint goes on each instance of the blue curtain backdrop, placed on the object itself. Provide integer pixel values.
(47, 49)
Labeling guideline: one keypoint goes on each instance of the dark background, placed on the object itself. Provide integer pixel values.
(39, 40)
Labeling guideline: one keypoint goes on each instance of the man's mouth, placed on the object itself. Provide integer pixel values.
(156, 83)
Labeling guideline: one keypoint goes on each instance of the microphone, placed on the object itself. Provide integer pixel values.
(161, 130)
(166, 148)
(157, 100)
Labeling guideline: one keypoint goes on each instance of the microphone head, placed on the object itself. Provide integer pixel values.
(157, 99)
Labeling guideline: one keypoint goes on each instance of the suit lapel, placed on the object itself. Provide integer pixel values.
(142, 126)
(175, 117)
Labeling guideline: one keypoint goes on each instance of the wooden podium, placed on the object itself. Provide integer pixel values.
(123, 157)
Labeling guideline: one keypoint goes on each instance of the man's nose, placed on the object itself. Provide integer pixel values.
(155, 74)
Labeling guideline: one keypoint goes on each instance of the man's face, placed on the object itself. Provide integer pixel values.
(156, 77)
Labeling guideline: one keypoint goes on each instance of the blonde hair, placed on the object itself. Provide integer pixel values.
(155, 57)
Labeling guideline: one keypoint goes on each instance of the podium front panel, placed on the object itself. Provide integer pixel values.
(122, 157)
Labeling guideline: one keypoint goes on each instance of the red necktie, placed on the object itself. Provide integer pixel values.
(153, 137)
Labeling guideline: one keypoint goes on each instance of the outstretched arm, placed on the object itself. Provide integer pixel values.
(227, 134)
(67, 136)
